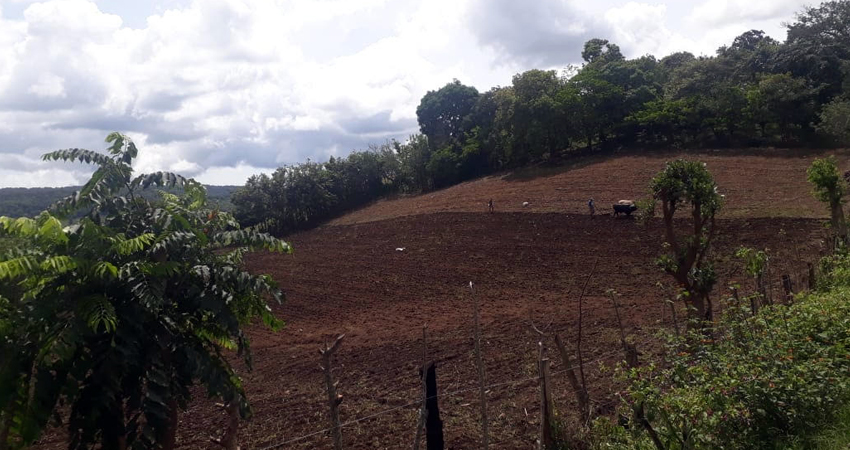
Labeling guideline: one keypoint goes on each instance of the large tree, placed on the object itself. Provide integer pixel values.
(442, 114)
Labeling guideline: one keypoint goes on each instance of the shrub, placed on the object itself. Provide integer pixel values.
(763, 379)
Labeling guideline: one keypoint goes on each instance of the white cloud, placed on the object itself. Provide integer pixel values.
(641, 28)
(724, 12)
(231, 175)
(207, 85)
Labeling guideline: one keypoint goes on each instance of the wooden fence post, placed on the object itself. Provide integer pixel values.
(333, 398)
(433, 424)
(546, 440)
(629, 351)
(812, 280)
(482, 395)
(423, 411)
(789, 289)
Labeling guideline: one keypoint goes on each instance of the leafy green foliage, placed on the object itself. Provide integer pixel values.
(829, 187)
(304, 195)
(761, 382)
(118, 314)
(835, 121)
(689, 184)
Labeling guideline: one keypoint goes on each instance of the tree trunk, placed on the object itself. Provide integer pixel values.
(169, 436)
(5, 424)
(838, 220)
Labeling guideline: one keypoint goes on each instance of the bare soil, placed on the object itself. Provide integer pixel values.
(349, 278)
(757, 183)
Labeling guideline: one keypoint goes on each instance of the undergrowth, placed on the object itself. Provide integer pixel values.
(776, 380)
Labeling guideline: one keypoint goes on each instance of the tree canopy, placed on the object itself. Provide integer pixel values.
(108, 321)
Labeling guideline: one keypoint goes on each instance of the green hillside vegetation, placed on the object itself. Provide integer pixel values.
(29, 202)
(756, 91)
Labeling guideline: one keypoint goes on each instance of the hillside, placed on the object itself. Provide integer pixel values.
(757, 183)
(349, 278)
(18, 202)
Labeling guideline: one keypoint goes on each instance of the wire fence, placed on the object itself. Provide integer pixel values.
(776, 285)
(604, 356)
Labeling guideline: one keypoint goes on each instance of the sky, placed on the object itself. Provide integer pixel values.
(219, 90)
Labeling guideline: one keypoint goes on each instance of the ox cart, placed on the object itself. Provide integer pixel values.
(626, 207)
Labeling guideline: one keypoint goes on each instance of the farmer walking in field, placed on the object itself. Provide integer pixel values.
(490, 205)
(592, 208)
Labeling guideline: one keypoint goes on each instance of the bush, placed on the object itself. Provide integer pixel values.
(761, 382)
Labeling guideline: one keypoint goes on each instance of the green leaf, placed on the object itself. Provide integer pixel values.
(134, 245)
(97, 311)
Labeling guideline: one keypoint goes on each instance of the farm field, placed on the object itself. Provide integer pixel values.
(757, 183)
(347, 277)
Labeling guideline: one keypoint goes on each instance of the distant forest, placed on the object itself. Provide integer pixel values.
(29, 202)
(754, 92)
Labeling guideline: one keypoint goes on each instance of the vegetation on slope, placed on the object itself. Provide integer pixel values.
(754, 92)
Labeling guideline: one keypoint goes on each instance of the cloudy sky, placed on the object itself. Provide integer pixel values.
(222, 89)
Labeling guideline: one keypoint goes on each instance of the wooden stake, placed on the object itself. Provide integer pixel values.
(812, 280)
(789, 288)
(580, 315)
(579, 390)
(485, 438)
(629, 351)
(433, 424)
(423, 412)
(333, 399)
(546, 440)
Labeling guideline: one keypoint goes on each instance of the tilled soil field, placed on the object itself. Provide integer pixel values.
(352, 280)
(757, 183)
(524, 262)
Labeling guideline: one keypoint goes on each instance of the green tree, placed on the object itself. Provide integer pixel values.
(835, 121)
(600, 51)
(537, 125)
(442, 114)
(688, 184)
(122, 312)
(414, 156)
(781, 100)
(829, 187)
(817, 46)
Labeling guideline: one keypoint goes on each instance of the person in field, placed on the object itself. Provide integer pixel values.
(592, 208)
(490, 205)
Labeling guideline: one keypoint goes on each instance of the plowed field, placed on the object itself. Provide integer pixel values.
(349, 278)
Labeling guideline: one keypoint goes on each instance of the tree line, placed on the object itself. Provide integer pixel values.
(29, 202)
(756, 91)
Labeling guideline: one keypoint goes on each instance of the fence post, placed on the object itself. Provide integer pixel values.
(580, 389)
(423, 411)
(546, 441)
(433, 424)
(629, 350)
(812, 280)
(333, 398)
(485, 438)
(789, 288)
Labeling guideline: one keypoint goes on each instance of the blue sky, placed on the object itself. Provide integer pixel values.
(222, 89)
